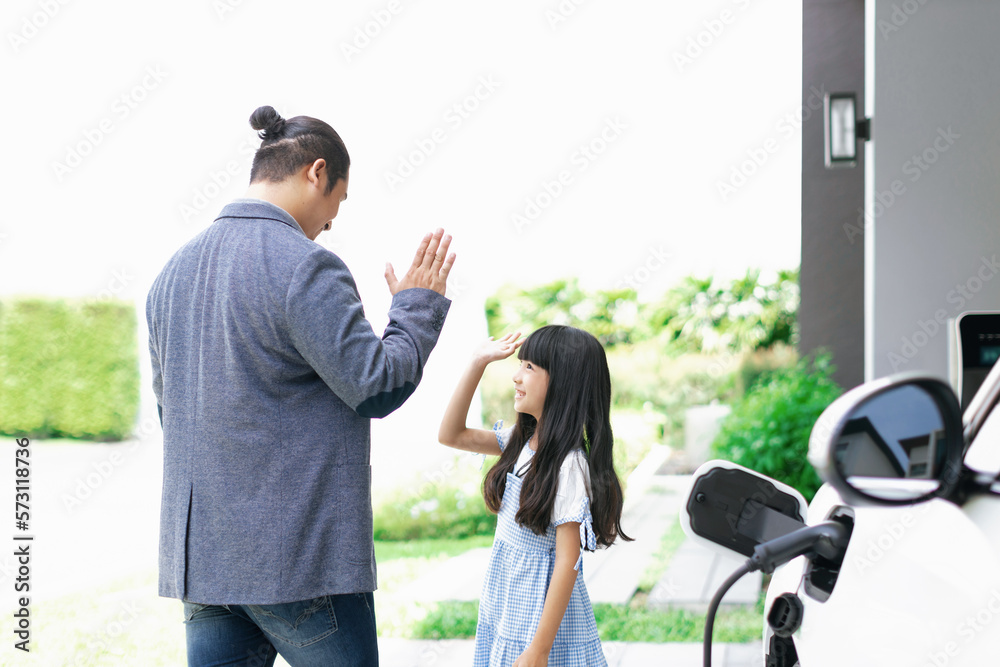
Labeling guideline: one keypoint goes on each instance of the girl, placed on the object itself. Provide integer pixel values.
(555, 490)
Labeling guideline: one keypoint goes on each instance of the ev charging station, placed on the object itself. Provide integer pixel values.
(974, 344)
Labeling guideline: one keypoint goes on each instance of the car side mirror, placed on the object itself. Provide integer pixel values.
(892, 441)
(731, 509)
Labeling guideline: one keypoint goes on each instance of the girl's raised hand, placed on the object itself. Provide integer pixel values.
(495, 350)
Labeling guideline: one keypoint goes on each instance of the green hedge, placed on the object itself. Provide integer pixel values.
(68, 369)
(768, 430)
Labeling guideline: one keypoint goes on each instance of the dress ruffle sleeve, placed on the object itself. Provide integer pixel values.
(573, 500)
(502, 434)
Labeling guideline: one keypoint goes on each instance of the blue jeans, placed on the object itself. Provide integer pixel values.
(330, 630)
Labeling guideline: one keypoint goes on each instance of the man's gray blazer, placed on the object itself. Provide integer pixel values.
(267, 374)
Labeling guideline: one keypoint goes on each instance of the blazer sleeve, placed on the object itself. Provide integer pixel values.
(154, 357)
(327, 325)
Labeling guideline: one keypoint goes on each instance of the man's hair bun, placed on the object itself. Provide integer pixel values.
(268, 123)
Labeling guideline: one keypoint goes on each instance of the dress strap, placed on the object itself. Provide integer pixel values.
(588, 539)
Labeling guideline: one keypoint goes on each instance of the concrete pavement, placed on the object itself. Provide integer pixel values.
(458, 653)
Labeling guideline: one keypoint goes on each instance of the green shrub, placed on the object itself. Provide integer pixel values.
(434, 511)
(449, 620)
(68, 370)
(759, 365)
(768, 430)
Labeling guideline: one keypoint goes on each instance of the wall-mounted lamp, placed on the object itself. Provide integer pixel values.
(843, 129)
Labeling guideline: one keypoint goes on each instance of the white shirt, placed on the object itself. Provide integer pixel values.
(574, 481)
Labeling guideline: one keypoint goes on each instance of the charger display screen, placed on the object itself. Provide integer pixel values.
(988, 354)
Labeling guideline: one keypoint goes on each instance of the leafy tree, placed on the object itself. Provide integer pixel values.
(610, 315)
(699, 315)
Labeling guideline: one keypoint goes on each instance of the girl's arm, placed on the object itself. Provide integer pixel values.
(556, 598)
(453, 432)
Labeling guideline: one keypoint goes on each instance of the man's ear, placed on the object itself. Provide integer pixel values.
(316, 173)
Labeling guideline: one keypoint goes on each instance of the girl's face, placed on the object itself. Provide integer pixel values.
(530, 384)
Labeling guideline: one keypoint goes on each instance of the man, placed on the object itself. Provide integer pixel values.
(267, 375)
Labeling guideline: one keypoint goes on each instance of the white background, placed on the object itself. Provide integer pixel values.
(700, 88)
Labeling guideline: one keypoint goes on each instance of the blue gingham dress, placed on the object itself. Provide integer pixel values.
(517, 580)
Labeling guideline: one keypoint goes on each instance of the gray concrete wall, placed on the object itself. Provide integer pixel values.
(831, 314)
(934, 199)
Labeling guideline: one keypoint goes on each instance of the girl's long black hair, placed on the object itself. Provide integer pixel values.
(576, 413)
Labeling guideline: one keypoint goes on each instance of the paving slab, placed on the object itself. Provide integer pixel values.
(457, 578)
(614, 574)
(458, 653)
(694, 575)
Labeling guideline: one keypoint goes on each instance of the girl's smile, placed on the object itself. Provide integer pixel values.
(530, 385)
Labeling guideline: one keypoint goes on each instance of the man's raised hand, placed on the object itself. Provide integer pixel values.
(430, 267)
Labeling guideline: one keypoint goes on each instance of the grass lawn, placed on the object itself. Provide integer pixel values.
(453, 620)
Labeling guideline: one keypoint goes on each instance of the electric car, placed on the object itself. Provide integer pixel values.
(896, 561)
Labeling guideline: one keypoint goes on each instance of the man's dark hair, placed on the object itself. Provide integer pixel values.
(287, 145)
